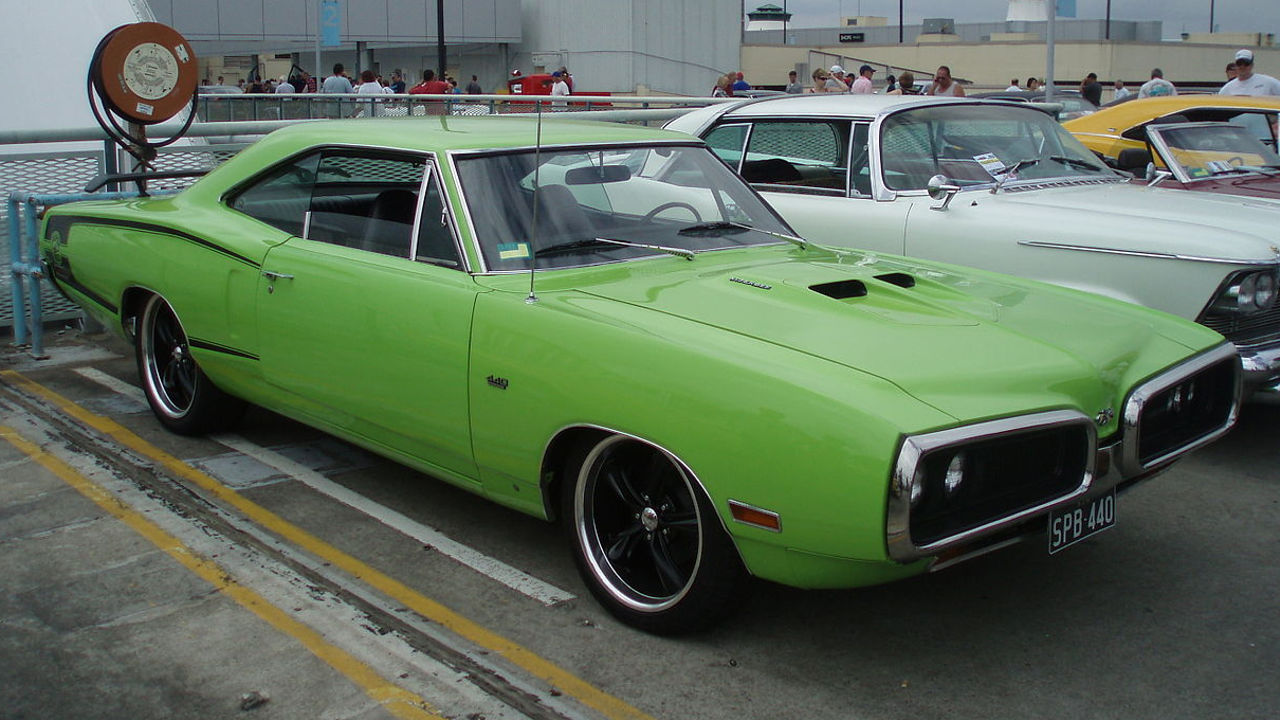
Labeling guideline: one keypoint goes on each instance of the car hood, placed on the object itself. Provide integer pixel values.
(1261, 186)
(1154, 219)
(970, 344)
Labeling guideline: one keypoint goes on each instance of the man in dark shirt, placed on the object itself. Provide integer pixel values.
(1091, 89)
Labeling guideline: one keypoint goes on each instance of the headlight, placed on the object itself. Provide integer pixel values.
(955, 475)
(1248, 293)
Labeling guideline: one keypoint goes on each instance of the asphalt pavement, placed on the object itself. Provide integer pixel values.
(276, 572)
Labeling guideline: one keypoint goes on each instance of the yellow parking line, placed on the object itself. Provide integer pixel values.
(396, 700)
(561, 679)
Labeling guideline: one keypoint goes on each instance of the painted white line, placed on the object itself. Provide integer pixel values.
(496, 569)
(493, 568)
(111, 382)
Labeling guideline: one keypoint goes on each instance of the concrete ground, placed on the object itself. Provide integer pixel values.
(396, 594)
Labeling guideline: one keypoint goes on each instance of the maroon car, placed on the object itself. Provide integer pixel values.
(1214, 157)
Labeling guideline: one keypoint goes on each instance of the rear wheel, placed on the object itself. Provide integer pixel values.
(178, 391)
(646, 539)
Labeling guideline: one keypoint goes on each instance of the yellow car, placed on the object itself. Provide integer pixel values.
(1123, 126)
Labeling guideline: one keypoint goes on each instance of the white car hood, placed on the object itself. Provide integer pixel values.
(1151, 220)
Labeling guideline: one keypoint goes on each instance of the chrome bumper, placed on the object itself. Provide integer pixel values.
(1261, 365)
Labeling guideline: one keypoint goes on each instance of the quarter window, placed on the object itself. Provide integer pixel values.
(808, 155)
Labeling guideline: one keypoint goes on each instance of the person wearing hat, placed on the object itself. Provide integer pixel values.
(838, 75)
(559, 89)
(740, 83)
(1248, 82)
(836, 81)
(863, 86)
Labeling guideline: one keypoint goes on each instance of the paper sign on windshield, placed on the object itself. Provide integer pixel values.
(991, 164)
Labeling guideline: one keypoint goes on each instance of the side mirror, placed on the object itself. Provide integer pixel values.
(1155, 177)
(941, 188)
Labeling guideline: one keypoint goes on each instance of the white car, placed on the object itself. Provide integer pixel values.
(1002, 186)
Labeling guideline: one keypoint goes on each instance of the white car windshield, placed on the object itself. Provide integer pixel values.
(593, 206)
(980, 145)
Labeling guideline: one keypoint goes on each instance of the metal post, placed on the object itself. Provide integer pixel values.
(900, 22)
(33, 273)
(440, 39)
(15, 260)
(1049, 43)
(317, 73)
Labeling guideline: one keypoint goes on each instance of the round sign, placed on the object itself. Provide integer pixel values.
(144, 72)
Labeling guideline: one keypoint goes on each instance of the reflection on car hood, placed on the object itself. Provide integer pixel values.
(947, 340)
(1254, 185)
(1145, 219)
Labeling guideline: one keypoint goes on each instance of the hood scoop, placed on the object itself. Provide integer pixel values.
(845, 289)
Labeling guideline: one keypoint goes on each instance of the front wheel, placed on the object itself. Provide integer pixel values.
(179, 393)
(646, 539)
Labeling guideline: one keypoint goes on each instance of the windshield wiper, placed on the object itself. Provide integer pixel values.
(1268, 170)
(573, 245)
(1008, 173)
(1076, 163)
(730, 224)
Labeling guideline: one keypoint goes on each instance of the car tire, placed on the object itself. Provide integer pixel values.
(646, 539)
(179, 393)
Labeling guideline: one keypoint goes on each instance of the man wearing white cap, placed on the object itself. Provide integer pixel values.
(1247, 81)
(837, 81)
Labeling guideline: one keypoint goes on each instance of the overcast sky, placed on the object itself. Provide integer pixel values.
(1178, 16)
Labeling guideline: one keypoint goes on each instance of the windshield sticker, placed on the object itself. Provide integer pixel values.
(513, 251)
(991, 164)
(1219, 166)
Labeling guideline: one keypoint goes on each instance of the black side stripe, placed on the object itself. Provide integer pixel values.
(152, 227)
(215, 347)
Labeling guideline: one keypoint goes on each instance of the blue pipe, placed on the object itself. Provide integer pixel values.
(26, 236)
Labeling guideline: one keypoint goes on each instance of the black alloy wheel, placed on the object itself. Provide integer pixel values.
(647, 541)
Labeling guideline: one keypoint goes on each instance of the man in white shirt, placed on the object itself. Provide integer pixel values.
(559, 88)
(337, 82)
(1013, 86)
(285, 86)
(1122, 92)
(1157, 86)
(1248, 82)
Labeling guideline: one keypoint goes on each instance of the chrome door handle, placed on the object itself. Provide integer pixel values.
(276, 276)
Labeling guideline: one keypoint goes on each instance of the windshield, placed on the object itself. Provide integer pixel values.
(675, 197)
(1202, 151)
(978, 145)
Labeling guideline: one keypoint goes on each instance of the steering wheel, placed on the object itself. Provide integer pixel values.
(1237, 161)
(649, 216)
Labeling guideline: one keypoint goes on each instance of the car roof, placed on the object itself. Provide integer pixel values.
(1117, 118)
(443, 133)
(827, 104)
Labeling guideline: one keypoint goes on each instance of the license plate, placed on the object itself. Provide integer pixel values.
(1069, 526)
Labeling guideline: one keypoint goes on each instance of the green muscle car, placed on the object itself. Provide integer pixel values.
(602, 325)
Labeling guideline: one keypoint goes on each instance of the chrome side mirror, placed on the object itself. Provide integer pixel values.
(941, 188)
(1155, 177)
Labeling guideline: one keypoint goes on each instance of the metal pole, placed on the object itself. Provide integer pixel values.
(900, 22)
(1211, 16)
(20, 335)
(440, 32)
(1048, 78)
(316, 72)
(1108, 25)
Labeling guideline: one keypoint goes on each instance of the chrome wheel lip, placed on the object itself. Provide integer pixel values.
(593, 549)
(153, 373)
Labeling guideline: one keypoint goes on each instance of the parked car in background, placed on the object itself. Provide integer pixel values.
(692, 391)
(1070, 104)
(1122, 127)
(1001, 186)
(1208, 157)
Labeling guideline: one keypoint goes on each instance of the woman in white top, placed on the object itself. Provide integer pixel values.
(944, 85)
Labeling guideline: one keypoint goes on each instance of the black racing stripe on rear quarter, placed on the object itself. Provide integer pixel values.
(65, 277)
(215, 347)
(152, 227)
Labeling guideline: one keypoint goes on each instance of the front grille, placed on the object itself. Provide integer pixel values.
(1184, 413)
(1245, 329)
(1003, 476)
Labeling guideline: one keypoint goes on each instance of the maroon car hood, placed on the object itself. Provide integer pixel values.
(1263, 186)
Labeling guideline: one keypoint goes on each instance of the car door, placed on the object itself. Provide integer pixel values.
(818, 175)
(365, 315)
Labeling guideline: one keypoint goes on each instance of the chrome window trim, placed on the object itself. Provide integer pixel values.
(1147, 254)
(915, 447)
(1133, 406)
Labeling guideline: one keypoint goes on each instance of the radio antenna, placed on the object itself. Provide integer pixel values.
(533, 239)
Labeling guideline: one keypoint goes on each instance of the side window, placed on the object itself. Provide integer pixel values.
(859, 164)
(435, 240)
(726, 142)
(367, 202)
(798, 155)
(282, 197)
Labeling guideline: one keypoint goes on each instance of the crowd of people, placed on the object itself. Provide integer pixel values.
(367, 82)
(1241, 80)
